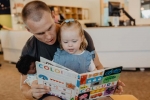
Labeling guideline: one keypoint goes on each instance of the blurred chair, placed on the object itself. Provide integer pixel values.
(110, 24)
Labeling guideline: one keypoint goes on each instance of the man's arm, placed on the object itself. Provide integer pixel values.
(36, 90)
(99, 66)
(97, 62)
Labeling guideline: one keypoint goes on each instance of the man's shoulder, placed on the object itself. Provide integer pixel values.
(90, 46)
(30, 46)
(31, 41)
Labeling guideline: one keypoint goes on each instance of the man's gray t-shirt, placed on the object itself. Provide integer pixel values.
(36, 48)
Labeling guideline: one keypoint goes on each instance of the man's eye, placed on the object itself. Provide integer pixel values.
(40, 33)
(49, 29)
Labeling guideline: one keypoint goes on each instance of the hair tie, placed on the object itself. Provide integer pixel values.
(69, 20)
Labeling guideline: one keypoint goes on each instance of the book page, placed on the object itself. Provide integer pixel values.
(61, 81)
(97, 84)
(70, 85)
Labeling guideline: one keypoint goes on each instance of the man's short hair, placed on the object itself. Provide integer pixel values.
(23, 65)
(34, 10)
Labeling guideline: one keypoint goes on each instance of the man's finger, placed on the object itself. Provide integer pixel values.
(121, 83)
(120, 88)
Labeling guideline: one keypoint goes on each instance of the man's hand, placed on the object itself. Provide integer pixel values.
(37, 90)
(120, 86)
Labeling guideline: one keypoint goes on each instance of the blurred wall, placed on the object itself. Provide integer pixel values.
(6, 20)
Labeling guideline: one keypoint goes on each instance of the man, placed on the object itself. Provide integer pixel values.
(38, 20)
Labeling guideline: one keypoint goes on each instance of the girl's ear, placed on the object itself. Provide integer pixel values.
(82, 42)
(61, 46)
(82, 38)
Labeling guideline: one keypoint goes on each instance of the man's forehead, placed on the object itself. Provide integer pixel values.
(39, 26)
(38, 15)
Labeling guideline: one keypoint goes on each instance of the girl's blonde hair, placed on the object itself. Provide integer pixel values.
(69, 23)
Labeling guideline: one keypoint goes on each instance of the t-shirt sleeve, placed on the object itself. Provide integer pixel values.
(25, 50)
(90, 46)
(29, 48)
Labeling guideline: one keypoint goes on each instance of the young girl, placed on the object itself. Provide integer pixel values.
(72, 53)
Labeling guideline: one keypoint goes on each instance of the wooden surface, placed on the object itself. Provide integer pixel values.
(123, 97)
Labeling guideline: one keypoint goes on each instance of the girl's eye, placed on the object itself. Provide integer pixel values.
(74, 41)
(65, 42)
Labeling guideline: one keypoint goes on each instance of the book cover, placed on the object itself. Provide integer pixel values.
(70, 85)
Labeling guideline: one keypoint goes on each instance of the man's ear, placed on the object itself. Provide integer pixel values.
(27, 28)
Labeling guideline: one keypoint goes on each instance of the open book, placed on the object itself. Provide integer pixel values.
(70, 85)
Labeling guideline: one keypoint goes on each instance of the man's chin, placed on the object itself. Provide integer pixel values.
(49, 43)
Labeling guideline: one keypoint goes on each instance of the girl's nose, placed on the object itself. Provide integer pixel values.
(70, 44)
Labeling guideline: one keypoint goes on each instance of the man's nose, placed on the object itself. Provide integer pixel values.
(48, 35)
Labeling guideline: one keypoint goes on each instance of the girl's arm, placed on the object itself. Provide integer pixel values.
(97, 62)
